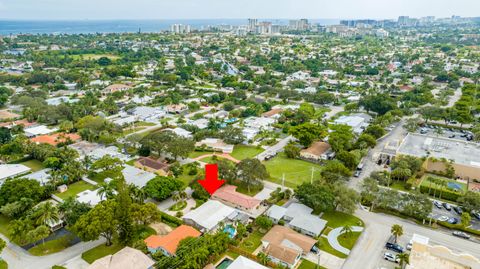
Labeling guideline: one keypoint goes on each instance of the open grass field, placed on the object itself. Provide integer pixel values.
(348, 241)
(74, 189)
(100, 252)
(94, 56)
(296, 171)
(339, 219)
(35, 165)
(241, 152)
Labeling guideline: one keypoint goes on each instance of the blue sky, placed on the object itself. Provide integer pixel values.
(205, 9)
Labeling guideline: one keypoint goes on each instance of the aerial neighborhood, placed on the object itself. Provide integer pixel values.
(353, 145)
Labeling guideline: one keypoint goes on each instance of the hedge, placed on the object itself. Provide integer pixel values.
(459, 227)
(170, 220)
(446, 194)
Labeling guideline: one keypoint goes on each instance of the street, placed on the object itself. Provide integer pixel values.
(369, 249)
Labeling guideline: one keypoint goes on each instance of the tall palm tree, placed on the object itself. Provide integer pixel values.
(105, 190)
(397, 231)
(264, 259)
(47, 214)
(404, 259)
(138, 194)
(347, 230)
(442, 184)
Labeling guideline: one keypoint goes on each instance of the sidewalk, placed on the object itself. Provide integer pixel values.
(333, 238)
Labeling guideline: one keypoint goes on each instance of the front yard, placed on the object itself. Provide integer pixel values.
(325, 246)
(296, 171)
(349, 240)
(35, 165)
(52, 246)
(241, 152)
(74, 189)
(252, 242)
(309, 265)
(100, 252)
(339, 219)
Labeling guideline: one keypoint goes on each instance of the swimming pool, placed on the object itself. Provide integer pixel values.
(224, 264)
(230, 230)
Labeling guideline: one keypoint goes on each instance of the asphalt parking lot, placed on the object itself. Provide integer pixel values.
(442, 132)
(438, 212)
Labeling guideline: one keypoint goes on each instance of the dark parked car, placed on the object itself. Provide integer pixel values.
(437, 204)
(391, 245)
(476, 214)
(447, 206)
(453, 220)
(458, 210)
(461, 234)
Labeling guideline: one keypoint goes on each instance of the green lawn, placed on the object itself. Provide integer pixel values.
(3, 264)
(5, 225)
(325, 246)
(399, 185)
(252, 242)
(74, 189)
(296, 171)
(241, 152)
(129, 130)
(339, 219)
(35, 165)
(309, 265)
(196, 154)
(100, 252)
(186, 178)
(348, 241)
(50, 247)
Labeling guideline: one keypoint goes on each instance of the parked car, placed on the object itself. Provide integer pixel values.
(391, 257)
(357, 173)
(437, 204)
(409, 245)
(447, 206)
(458, 210)
(476, 214)
(391, 245)
(443, 218)
(453, 220)
(451, 136)
(461, 234)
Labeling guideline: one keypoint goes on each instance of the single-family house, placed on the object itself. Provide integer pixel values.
(215, 144)
(116, 88)
(209, 215)
(317, 151)
(42, 176)
(136, 176)
(12, 170)
(90, 197)
(229, 196)
(285, 246)
(152, 165)
(298, 217)
(243, 263)
(126, 258)
(57, 138)
(39, 130)
(168, 244)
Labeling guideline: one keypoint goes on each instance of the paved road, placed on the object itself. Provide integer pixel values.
(369, 249)
(18, 258)
(397, 133)
(275, 148)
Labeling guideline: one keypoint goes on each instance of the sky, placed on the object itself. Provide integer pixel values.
(235, 9)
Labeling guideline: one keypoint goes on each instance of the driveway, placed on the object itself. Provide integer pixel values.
(18, 258)
(273, 150)
(326, 260)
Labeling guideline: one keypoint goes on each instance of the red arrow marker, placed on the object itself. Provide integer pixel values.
(211, 183)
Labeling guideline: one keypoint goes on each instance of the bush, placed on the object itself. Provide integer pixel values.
(170, 220)
(446, 194)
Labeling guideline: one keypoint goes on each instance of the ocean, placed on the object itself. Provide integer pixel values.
(8, 27)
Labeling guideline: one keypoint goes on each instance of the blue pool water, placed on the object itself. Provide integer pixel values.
(230, 230)
(455, 186)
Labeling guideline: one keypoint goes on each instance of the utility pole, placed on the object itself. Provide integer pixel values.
(311, 177)
(283, 180)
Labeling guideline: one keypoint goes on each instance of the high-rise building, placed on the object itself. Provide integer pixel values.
(180, 28)
(298, 25)
(403, 20)
(252, 25)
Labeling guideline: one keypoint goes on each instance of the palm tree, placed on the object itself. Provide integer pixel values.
(404, 259)
(397, 231)
(264, 259)
(47, 214)
(138, 194)
(442, 184)
(347, 230)
(105, 190)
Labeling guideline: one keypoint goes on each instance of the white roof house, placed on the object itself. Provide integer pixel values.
(136, 176)
(42, 176)
(39, 130)
(357, 122)
(243, 263)
(276, 212)
(90, 197)
(308, 224)
(180, 132)
(12, 170)
(209, 215)
(263, 123)
(296, 209)
(127, 258)
(216, 144)
(298, 217)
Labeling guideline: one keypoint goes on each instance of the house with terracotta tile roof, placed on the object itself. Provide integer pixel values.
(55, 139)
(168, 244)
(285, 246)
(228, 195)
(152, 165)
(116, 87)
(317, 151)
